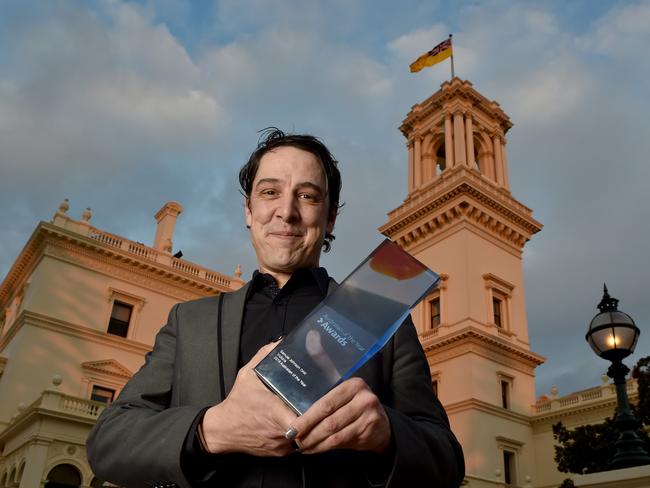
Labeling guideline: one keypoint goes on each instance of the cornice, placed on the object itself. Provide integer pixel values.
(22, 266)
(73, 330)
(181, 290)
(180, 281)
(474, 404)
(460, 197)
(453, 177)
(34, 413)
(471, 336)
(182, 276)
(455, 91)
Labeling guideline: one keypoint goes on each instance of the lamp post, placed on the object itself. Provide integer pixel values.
(613, 336)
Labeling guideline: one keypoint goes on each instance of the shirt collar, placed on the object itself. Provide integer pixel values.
(319, 275)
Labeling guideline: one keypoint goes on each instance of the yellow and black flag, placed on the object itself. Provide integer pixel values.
(439, 53)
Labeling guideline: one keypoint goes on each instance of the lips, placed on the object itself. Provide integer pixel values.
(286, 234)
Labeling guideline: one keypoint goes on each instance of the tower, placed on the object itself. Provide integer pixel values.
(460, 219)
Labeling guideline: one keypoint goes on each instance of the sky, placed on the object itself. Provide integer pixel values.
(122, 106)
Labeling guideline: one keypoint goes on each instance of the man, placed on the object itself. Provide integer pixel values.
(197, 415)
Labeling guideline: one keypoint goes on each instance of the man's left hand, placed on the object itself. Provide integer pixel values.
(350, 416)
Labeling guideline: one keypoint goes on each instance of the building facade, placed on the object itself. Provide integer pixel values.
(80, 308)
(460, 218)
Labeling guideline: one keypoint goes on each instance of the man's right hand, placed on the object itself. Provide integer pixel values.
(251, 419)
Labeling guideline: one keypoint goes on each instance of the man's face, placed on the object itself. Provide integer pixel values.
(288, 211)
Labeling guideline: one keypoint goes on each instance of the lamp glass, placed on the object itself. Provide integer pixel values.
(613, 335)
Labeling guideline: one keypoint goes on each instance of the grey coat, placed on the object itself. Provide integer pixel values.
(138, 439)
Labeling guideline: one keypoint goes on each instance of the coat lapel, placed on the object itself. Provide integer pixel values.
(232, 314)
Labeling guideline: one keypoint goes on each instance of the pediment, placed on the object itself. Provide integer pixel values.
(109, 367)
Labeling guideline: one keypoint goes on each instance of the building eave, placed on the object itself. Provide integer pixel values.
(180, 273)
(473, 335)
(461, 194)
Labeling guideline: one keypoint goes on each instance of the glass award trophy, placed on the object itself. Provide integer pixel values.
(347, 328)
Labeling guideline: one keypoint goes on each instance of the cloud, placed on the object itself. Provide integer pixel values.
(297, 67)
(122, 107)
(84, 85)
(552, 91)
(412, 44)
(623, 31)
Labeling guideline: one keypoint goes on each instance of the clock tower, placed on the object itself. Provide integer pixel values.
(460, 219)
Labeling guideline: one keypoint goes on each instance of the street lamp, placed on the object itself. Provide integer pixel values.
(613, 336)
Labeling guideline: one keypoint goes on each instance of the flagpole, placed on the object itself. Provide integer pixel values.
(452, 59)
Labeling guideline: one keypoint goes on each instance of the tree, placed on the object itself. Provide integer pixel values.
(590, 448)
(641, 372)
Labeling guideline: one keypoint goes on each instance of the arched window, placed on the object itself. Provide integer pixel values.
(3, 480)
(63, 476)
(483, 156)
(439, 155)
(441, 160)
(475, 163)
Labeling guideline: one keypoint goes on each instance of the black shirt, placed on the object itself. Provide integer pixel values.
(271, 312)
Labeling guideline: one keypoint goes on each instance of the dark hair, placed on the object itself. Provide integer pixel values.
(272, 138)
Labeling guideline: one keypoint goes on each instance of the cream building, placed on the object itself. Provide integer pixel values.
(80, 308)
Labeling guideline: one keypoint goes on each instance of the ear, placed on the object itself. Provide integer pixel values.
(247, 210)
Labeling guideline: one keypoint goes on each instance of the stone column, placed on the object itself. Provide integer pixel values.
(470, 140)
(427, 171)
(459, 139)
(35, 464)
(498, 163)
(411, 177)
(506, 181)
(417, 160)
(449, 143)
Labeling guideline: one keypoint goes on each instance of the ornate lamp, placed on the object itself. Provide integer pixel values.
(613, 336)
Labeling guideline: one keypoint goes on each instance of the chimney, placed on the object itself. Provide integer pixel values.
(166, 218)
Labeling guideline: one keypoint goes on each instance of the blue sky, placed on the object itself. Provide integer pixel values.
(121, 106)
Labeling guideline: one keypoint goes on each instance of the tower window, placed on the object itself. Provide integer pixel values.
(434, 305)
(497, 309)
(497, 304)
(509, 473)
(434, 384)
(505, 393)
(101, 394)
(441, 161)
(120, 319)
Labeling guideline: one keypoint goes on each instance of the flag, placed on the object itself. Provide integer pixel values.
(439, 53)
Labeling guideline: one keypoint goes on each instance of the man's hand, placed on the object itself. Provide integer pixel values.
(349, 417)
(251, 419)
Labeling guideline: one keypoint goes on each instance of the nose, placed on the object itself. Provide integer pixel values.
(287, 208)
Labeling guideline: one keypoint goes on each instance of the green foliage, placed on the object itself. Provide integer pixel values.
(567, 483)
(585, 449)
(641, 372)
(590, 448)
